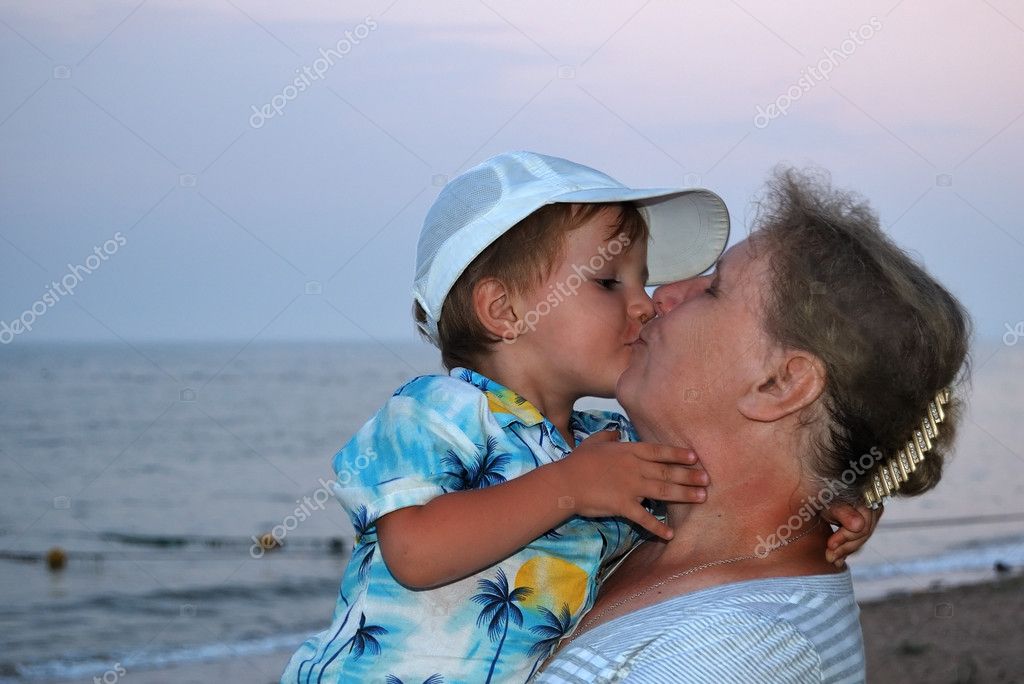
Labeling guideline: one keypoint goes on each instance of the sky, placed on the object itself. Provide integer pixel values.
(160, 161)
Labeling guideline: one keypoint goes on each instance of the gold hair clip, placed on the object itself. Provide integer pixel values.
(897, 469)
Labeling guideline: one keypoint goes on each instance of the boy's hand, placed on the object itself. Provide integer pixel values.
(606, 477)
(856, 525)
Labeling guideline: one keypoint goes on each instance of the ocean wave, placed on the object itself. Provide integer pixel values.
(161, 600)
(78, 668)
(978, 556)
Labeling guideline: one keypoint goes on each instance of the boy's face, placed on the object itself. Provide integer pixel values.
(584, 318)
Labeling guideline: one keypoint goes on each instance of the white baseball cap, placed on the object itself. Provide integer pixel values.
(689, 228)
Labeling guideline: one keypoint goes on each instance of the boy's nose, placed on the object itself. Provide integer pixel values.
(642, 309)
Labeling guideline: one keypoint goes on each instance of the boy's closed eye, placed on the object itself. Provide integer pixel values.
(607, 283)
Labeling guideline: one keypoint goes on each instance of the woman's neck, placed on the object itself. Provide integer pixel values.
(706, 551)
(740, 517)
(708, 532)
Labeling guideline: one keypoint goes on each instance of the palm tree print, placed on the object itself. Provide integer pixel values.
(544, 432)
(551, 630)
(432, 679)
(485, 470)
(514, 429)
(499, 606)
(365, 639)
(365, 526)
(322, 654)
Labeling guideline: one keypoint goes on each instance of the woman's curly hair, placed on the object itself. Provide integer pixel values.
(890, 336)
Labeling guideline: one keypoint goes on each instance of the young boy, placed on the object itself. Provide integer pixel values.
(483, 519)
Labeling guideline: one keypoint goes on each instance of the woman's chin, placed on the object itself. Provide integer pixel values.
(626, 386)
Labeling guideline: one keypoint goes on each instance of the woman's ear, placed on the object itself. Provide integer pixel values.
(494, 307)
(796, 380)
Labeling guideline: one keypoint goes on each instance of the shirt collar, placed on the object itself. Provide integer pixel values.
(506, 405)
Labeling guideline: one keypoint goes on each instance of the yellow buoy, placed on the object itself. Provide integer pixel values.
(56, 558)
(269, 542)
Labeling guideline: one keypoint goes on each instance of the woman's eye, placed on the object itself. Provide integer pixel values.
(712, 291)
(607, 283)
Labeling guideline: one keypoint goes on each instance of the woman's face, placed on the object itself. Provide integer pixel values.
(705, 349)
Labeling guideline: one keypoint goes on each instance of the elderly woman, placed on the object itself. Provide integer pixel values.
(817, 364)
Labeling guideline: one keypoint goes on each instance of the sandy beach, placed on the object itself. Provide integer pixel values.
(960, 635)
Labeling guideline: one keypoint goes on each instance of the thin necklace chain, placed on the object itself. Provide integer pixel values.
(590, 619)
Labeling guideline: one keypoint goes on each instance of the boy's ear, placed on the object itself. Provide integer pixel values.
(795, 381)
(495, 308)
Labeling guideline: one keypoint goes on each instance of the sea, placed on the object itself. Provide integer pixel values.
(136, 482)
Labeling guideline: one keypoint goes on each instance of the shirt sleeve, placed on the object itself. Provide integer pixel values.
(732, 648)
(409, 453)
(590, 421)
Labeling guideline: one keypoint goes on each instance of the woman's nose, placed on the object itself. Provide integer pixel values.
(666, 297)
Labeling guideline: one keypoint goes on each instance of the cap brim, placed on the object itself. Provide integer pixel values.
(689, 228)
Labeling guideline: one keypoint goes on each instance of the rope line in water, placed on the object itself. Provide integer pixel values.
(313, 547)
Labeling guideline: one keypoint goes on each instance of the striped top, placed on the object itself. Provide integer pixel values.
(781, 629)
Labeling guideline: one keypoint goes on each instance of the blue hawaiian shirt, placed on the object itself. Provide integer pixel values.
(441, 434)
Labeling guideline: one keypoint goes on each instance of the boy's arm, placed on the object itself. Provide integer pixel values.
(856, 525)
(458, 534)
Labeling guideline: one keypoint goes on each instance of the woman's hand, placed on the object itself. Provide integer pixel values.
(856, 525)
(606, 477)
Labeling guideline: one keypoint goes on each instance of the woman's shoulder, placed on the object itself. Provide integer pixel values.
(800, 629)
(787, 601)
(789, 598)
(789, 622)
(726, 645)
(778, 595)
